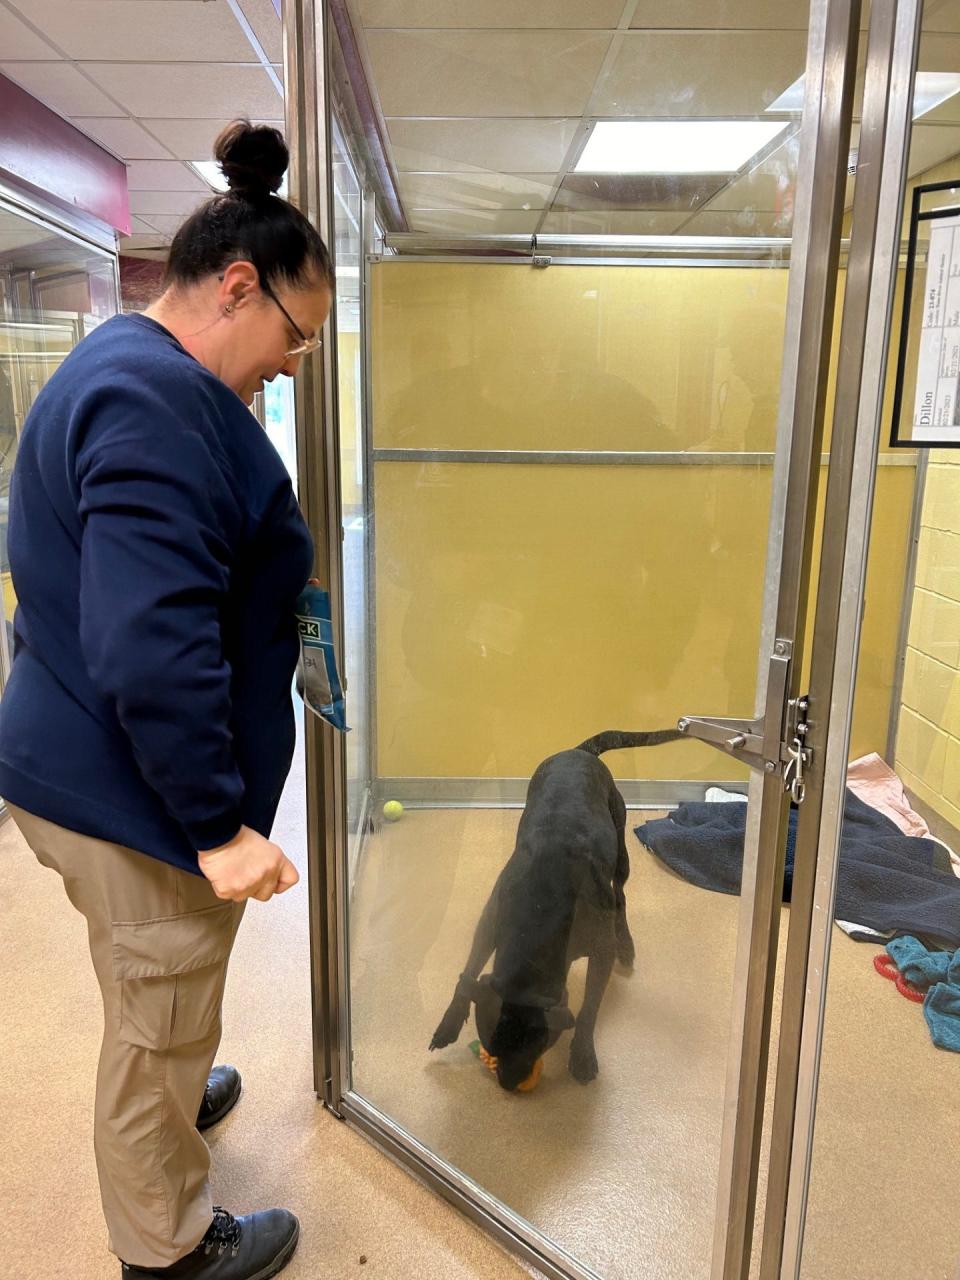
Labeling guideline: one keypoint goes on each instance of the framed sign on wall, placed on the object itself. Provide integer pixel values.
(926, 406)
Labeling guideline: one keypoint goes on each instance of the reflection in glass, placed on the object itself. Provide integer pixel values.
(53, 291)
(887, 1097)
(571, 471)
(349, 251)
(523, 606)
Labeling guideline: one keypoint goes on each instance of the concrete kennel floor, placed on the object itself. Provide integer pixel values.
(279, 1145)
(622, 1172)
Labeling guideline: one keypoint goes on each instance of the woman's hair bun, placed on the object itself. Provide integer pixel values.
(252, 157)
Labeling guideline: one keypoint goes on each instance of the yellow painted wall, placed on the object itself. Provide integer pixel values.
(351, 440)
(927, 754)
(522, 607)
(928, 740)
(504, 357)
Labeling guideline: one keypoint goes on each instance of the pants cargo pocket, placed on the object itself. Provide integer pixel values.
(171, 973)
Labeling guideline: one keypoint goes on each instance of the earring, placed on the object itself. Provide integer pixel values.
(229, 308)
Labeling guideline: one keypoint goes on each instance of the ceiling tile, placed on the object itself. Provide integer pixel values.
(148, 31)
(681, 192)
(941, 53)
(489, 73)
(944, 16)
(62, 87)
(268, 29)
(163, 175)
(476, 222)
(932, 144)
(193, 139)
(476, 190)
(188, 92)
(16, 233)
(18, 41)
(546, 14)
(139, 227)
(767, 185)
(614, 222)
(721, 15)
(507, 146)
(149, 203)
(720, 222)
(123, 136)
(144, 240)
(678, 74)
(167, 224)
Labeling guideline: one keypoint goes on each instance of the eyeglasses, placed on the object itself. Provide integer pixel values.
(306, 344)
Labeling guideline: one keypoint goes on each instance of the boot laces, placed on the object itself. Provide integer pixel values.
(223, 1233)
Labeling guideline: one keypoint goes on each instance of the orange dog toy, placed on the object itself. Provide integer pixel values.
(532, 1079)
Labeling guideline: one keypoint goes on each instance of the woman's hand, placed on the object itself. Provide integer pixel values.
(248, 866)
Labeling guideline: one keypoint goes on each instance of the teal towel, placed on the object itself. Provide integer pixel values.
(942, 1012)
(938, 973)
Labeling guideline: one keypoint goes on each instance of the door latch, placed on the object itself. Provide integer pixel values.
(775, 742)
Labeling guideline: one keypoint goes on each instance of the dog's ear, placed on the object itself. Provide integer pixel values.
(560, 1018)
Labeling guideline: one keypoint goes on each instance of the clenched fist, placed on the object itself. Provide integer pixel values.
(248, 866)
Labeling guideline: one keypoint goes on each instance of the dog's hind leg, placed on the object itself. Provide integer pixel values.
(484, 943)
(625, 949)
(583, 1054)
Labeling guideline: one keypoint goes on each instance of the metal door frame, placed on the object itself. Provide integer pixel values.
(308, 108)
(892, 52)
(829, 85)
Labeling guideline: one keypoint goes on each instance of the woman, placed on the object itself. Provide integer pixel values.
(147, 729)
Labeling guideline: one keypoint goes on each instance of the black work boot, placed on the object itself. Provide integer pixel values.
(220, 1095)
(254, 1247)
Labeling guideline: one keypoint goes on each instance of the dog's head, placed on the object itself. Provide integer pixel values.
(519, 1039)
(516, 1035)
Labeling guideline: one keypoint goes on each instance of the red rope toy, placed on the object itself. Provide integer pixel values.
(884, 965)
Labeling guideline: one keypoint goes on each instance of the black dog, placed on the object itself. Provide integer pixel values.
(559, 897)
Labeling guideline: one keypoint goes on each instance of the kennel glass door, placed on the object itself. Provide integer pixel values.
(884, 830)
(593, 474)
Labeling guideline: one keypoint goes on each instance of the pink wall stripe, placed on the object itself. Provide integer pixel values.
(44, 152)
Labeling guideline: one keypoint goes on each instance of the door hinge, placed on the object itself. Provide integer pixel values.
(775, 742)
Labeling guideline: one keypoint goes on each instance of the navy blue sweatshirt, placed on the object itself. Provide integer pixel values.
(157, 552)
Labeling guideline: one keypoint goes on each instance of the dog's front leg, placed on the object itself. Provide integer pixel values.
(458, 1010)
(583, 1054)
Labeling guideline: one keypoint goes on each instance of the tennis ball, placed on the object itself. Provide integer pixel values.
(393, 811)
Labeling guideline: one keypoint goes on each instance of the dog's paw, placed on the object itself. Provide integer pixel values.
(449, 1029)
(583, 1062)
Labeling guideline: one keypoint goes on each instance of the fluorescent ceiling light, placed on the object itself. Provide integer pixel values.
(929, 90)
(209, 171)
(674, 146)
(791, 99)
(932, 88)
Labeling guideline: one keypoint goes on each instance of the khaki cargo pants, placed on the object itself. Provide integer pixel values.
(160, 941)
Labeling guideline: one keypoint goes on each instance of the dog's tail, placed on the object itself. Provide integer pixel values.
(615, 739)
